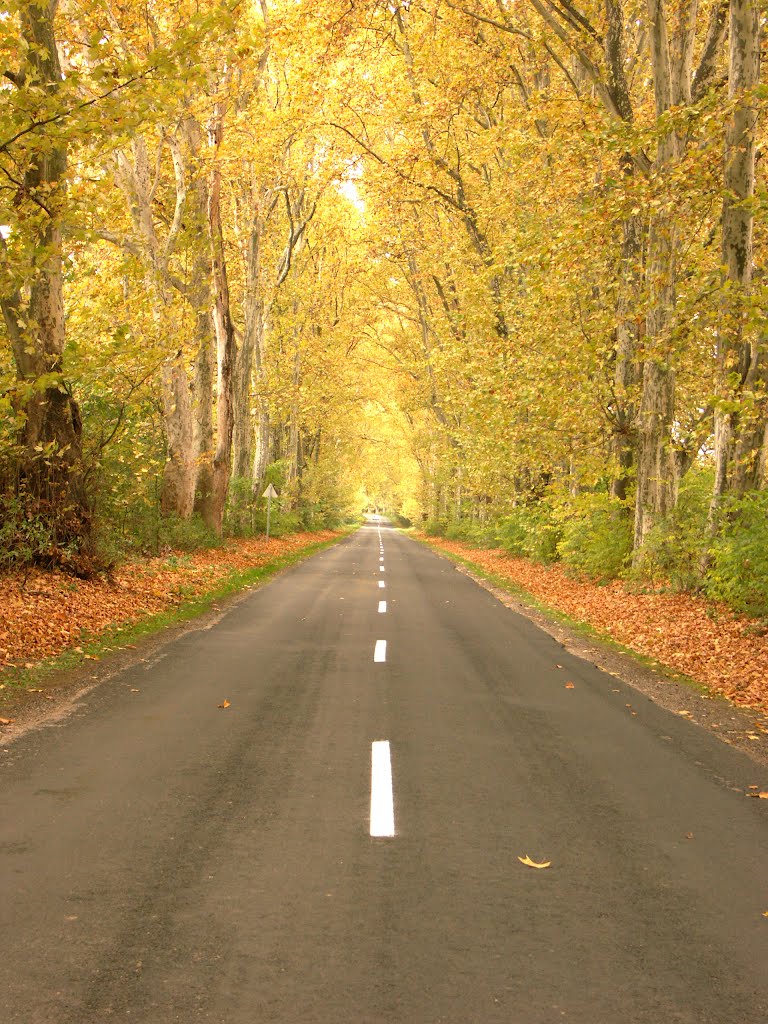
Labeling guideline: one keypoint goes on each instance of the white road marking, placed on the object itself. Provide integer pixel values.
(381, 558)
(381, 568)
(382, 584)
(382, 606)
(382, 804)
(380, 651)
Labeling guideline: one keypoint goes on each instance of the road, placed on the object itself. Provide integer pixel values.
(166, 859)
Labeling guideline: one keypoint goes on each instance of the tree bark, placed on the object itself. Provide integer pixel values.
(226, 346)
(49, 478)
(739, 417)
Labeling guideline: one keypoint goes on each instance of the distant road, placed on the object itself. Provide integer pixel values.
(164, 859)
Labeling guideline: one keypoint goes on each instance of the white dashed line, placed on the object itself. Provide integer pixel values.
(382, 606)
(381, 568)
(382, 584)
(382, 804)
(380, 651)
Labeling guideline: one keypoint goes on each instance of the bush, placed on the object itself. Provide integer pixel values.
(597, 536)
(187, 534)
(531, 531)
(436, 527)
(673, 550)
(738, 573)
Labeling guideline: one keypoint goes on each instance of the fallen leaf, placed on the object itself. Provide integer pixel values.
(762, 796)
(765, 913)
(753, 787)
(225, 704)
(570, 686)
(685, 714)
(7, 721)
(558, 666)
(92, 657)
(532, 863)
(689, 835)
(752, 736)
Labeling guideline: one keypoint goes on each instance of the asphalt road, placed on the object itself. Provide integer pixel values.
(164, 859)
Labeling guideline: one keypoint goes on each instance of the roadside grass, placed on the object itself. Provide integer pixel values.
(578, 626)
(122, 636)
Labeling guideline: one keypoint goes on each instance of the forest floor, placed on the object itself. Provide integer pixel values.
(54, 629)
(691, 637)
(51, 623)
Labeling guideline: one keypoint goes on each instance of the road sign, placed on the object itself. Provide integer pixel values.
(270, 492)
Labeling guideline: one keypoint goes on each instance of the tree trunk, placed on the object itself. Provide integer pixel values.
(252, 342)
(49, 479)
(656, 478)
(739, 417)
(624, 410)
(226, 346)
(179, 474)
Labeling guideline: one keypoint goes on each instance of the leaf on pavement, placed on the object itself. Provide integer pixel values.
(532, 863)
(7, 721)
(569, 686)
(225, 704)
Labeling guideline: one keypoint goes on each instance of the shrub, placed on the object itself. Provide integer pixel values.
(738, 573)
(597, 536)
(531, 531)
(673, 550)
(187, 534)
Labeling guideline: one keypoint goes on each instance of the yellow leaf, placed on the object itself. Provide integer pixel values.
(532, 863)
(225, 704)
(569, 686)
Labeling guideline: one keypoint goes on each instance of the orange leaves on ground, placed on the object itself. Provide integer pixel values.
(44, 613)
(225, 703)
(725, 652)
(570, 686)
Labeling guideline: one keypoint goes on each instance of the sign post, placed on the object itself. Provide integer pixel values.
(269, 494)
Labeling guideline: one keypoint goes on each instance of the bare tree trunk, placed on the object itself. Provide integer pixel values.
(226, 346)
(656, 480)
(739, 432)
(180, 471)
(625, 377)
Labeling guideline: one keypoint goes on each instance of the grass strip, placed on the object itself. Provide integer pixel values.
(578, 626)
(123, 634)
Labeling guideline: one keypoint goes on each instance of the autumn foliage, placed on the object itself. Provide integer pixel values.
(726, 653)
(44, 613)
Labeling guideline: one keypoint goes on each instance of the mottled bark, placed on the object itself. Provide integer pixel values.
(180, 471)
(49, 477)
(226, 346)
(740, 417)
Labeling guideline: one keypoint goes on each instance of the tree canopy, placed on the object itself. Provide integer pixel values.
(485, 264)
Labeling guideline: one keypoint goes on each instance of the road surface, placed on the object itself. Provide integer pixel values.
(164, 859)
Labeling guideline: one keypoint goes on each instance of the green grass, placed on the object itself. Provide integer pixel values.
(578, 626)
(120, 636)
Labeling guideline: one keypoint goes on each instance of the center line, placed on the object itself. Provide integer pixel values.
(380, 651)
(382, 606)
(381, 568)
(382, 584)
(382, 804)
